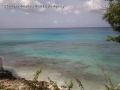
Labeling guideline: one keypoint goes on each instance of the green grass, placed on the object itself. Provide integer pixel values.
(54, 84)
(80, 84)
(70, 85)
(35, 79)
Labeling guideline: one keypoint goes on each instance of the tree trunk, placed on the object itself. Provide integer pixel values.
(1, 66)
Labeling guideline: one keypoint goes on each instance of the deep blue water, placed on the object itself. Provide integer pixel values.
(74, 46)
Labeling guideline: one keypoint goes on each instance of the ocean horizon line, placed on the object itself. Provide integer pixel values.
(56, 28)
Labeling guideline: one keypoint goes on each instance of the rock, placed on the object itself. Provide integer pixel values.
(1, 66)
(5, 74)
(23, 87)
(63, 86)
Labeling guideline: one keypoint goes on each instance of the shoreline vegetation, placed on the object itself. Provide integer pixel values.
(10, 82)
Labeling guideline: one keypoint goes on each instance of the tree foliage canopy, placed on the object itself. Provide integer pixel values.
(112, 16)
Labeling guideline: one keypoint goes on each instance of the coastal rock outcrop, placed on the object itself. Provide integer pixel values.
(5, 74)
(10, 82)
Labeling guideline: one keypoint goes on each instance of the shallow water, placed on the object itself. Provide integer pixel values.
(67, 52)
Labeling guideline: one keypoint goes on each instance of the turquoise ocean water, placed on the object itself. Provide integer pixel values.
(69, 51)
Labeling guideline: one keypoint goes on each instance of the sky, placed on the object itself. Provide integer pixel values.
(52, 13)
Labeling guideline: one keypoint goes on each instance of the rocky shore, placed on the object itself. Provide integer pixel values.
(10, 82)
(5, 74)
